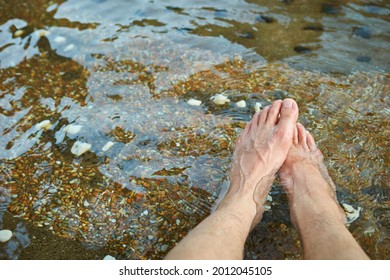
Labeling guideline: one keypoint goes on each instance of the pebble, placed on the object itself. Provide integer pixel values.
(257, 106)
(352, 213)
(59, 39)
(164, 247)
(194, 102)
(18, 33)
(107, 146)
(46, 124)
(241, 104)
(80, 148)
(73, 128)
(109, 258)
(220, 99)
(5, 235)
(177, 221)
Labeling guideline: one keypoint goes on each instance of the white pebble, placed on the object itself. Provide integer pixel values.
(5, 235)
(352, 213)
(267, 207)
(72, 128)
(241, 104)
(109, 258)
(80, 148)
(46, 124)
(59, 39)
(86, 203)
(257, 106)
(146, 212)
(194, 102)
(269, 198)
(18, 33)
(177, 221)
(69, 48)
(107, 146)
(220, 99)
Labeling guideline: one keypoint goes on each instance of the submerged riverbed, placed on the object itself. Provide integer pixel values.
(119, 77)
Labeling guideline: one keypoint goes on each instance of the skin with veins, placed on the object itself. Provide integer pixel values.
(260, 151)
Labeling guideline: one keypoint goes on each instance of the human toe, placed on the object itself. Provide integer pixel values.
(263, 115)
(310, 141)
(273, 112)
(302, 135)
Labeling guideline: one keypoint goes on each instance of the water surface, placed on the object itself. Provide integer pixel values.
(123, 72)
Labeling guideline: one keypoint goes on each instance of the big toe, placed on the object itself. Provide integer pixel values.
(288, 114)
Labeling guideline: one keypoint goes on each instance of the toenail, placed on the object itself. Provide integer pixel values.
(287, 103)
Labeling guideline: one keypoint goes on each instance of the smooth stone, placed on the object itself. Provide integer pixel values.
(5, 235)
(46, 124)
(352, 213)
(257, 107)
(73, 128)
(194, 102)
(80, 148)
(107, 146)
(241, 104)
(109, 258)
(18, 33)
(164, 247)
(220, 99)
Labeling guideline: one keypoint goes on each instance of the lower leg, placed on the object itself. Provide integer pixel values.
(315, 211)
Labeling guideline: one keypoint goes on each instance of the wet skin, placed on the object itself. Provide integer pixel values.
(270, 142)
(260, 151)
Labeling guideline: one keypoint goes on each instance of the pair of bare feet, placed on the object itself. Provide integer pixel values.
(274, 142)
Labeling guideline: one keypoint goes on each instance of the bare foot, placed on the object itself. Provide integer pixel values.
(314, 209)
(260, 151)
(306, 180)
